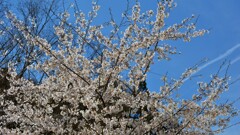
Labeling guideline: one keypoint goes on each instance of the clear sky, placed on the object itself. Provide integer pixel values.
(223, 20)
(220, 16)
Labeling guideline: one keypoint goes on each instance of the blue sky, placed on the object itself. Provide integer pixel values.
(223, 20)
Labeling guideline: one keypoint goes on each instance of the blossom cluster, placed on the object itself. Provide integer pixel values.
(102, 94)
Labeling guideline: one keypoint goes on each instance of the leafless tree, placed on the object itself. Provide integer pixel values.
(37, 16)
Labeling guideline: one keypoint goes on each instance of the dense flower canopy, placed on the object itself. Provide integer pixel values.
(107, 94)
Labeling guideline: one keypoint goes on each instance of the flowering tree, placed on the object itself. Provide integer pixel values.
(106, 94)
